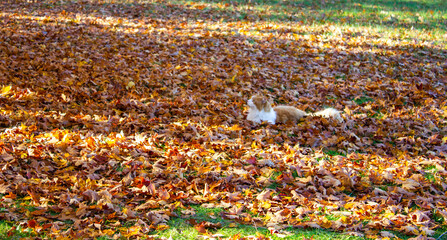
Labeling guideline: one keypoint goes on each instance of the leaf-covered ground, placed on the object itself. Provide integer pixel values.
(118, 116)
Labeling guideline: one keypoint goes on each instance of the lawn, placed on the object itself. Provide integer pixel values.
(126, 119)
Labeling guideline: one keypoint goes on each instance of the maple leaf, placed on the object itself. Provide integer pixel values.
(411, 185)
(264, 195)
(133, 231)
(91, 195)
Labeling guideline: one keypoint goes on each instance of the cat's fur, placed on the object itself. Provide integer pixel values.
(261, 110)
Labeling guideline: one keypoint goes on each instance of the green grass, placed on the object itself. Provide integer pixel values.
(402, 19)
(181, 229)
(363, 99)
(334, 153)
(422, 13)
(429, 173)
(18, 233)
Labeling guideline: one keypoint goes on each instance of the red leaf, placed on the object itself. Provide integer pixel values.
(252, 161)
(32, 223)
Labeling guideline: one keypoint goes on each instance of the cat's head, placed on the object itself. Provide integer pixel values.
(260, 102)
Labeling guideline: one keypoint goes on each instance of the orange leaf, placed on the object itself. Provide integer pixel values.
(164, 194)
(132, 231)
(32, 223)
(10, 195)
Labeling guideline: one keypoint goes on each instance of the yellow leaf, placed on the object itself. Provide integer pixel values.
(349, 205)
(6, 90)
(162, 227)
(234, 77)
(27, 198)
(108, 232)
(254, 145)
(235, 128)
(389, 214)
(130, 85)
(325, 223)
(62, 237)
(266, 205)
(82, 63)
(132, 231)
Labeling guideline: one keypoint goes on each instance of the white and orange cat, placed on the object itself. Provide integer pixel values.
(261, 110)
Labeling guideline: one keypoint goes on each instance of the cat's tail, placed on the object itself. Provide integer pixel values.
(329, 113)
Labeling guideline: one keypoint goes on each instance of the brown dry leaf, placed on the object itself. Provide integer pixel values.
(411, 185)
(6, 157)
(204, 225)
(91, 195)
(149, 204)
(265, 195)
(4, 188)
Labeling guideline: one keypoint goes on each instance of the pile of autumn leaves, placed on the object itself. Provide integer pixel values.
(113, 123)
